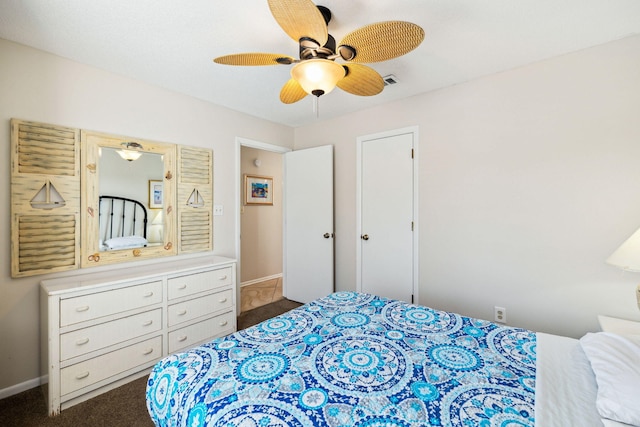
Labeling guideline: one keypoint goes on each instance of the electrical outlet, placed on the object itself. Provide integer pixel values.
(218, 210)
(500, 314)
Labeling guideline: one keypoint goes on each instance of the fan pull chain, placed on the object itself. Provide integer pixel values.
(316, 108)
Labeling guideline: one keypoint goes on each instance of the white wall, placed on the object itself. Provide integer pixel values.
(42, 87)
(528, 182)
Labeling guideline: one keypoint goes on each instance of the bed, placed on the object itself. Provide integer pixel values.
(123, 223)
(353, 359)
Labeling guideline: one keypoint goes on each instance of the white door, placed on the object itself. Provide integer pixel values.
(386, 245)
(308, 224)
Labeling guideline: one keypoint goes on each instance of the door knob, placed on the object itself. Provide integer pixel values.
(365, 237)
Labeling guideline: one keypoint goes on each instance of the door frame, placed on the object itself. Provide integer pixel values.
(416, 232)
(244, 142)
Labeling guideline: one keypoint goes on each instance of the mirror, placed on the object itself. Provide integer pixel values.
(129, 198)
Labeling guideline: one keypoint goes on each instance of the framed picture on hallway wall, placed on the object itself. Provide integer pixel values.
(258, 190)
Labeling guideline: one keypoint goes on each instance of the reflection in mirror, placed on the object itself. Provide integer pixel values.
(105, 173)
(128, 216)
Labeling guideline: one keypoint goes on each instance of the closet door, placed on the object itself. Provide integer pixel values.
(45, 198)
(386, 246)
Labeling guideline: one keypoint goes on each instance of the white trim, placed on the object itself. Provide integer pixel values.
(244, 142)
(260, 279)
(19, 388)
(416, 232)
(261, 145)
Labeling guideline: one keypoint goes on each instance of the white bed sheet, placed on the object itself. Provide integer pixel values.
(565, 385)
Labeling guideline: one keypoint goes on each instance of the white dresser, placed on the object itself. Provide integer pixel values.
(101, 330)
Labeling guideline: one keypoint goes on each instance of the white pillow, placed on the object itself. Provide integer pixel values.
(126, 242)
(615, 360)
(618, 326)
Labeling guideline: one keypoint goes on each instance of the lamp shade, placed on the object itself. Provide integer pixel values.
(627, 256)
(317, 76)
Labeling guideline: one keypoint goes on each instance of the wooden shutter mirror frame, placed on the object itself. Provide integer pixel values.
(91, 254)
(60, 233)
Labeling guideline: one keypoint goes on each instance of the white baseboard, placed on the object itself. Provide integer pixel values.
(19, 388)
(261, 279)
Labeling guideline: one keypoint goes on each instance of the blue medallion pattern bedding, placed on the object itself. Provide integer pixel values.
(352, 359)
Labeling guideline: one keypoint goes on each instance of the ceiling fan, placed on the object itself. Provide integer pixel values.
(317, 72)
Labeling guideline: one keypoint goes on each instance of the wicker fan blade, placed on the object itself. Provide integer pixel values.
(300, 18)
(292, 92)
(254, 59)
(380, 41)
(361, 80)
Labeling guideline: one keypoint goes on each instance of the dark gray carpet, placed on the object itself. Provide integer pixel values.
(123, 406)
(257, 315)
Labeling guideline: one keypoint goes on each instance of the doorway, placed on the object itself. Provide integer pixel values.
(259, 234)
(387, 247)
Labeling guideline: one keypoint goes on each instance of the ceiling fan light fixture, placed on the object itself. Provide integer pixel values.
(130, 151)
(317, 76)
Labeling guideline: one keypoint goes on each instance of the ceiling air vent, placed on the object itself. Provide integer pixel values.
(390, 80)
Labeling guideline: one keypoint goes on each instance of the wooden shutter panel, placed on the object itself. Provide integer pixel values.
(195, 199)
(45, 198)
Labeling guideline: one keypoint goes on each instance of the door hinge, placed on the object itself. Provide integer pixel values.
(412, 153)
(411, 225)
(411, 298)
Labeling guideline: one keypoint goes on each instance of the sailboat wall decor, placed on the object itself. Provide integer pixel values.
(47, 198)
(195, 199)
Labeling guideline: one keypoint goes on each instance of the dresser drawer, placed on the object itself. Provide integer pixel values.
(85, 340)
(88, 307)
(201, 306)
(199, 282)
(207, 329)
(86, 373)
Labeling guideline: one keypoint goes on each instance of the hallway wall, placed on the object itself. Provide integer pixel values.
(261, 226)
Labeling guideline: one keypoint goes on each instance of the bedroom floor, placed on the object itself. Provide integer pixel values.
(123, 406)
(260, 294)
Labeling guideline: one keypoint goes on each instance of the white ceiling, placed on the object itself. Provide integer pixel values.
(171, 43)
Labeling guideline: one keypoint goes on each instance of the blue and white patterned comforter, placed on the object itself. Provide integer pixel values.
(352, 359)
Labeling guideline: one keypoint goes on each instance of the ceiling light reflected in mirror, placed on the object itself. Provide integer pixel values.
(131, 151)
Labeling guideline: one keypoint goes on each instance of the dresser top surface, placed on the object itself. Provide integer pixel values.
(119, 274)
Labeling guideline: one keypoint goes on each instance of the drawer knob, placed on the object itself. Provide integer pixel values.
(182, 313)
(83, 308)
(148, 294)
(82, 341)
(182, 287)
(82, 375)
(223, 300)
(148, 351)
(223, 277)
(223, 323)
(148, 323)
(182, 338)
